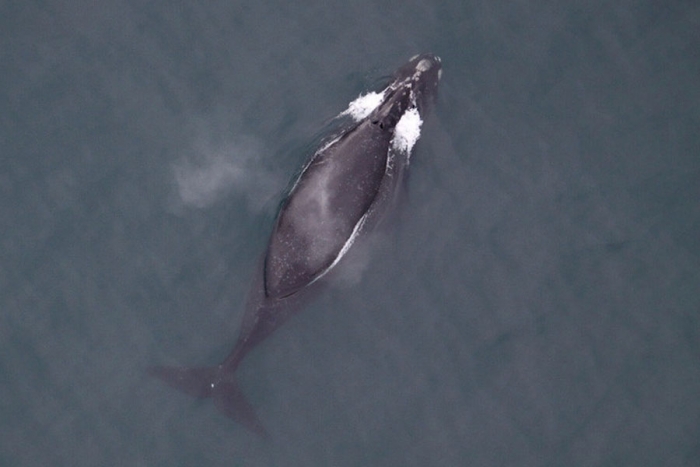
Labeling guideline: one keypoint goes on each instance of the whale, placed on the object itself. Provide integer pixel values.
(341, 194)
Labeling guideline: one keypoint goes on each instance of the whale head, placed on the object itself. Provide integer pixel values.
(423, 74)
(414, 85)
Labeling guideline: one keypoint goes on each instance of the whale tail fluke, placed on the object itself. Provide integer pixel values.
(213, 382)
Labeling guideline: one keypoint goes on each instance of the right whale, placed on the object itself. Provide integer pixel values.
(341, 193)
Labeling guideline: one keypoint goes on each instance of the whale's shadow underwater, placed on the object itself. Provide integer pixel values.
(340, 195)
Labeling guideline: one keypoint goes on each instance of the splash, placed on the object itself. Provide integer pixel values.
(361, 107)
(407, 131)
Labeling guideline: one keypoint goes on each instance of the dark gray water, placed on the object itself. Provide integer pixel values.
(537, 302)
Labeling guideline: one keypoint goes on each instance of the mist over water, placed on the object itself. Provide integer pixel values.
(532, 301)
(214, 172)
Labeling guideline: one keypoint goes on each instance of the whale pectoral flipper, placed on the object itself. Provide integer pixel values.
(214, 382)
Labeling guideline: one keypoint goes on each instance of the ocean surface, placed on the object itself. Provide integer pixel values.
(535, 301)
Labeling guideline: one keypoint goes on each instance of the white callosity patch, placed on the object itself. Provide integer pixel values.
(361, 107)
(424, 65)
(407, 131)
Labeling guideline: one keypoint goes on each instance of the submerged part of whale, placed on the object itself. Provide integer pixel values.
(343, 190)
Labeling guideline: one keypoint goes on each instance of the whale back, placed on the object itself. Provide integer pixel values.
(325, 208)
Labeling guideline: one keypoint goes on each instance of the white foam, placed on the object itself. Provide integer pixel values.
(361, 107)
(407, 131)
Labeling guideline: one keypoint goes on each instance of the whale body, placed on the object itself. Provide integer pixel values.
(341, 194)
